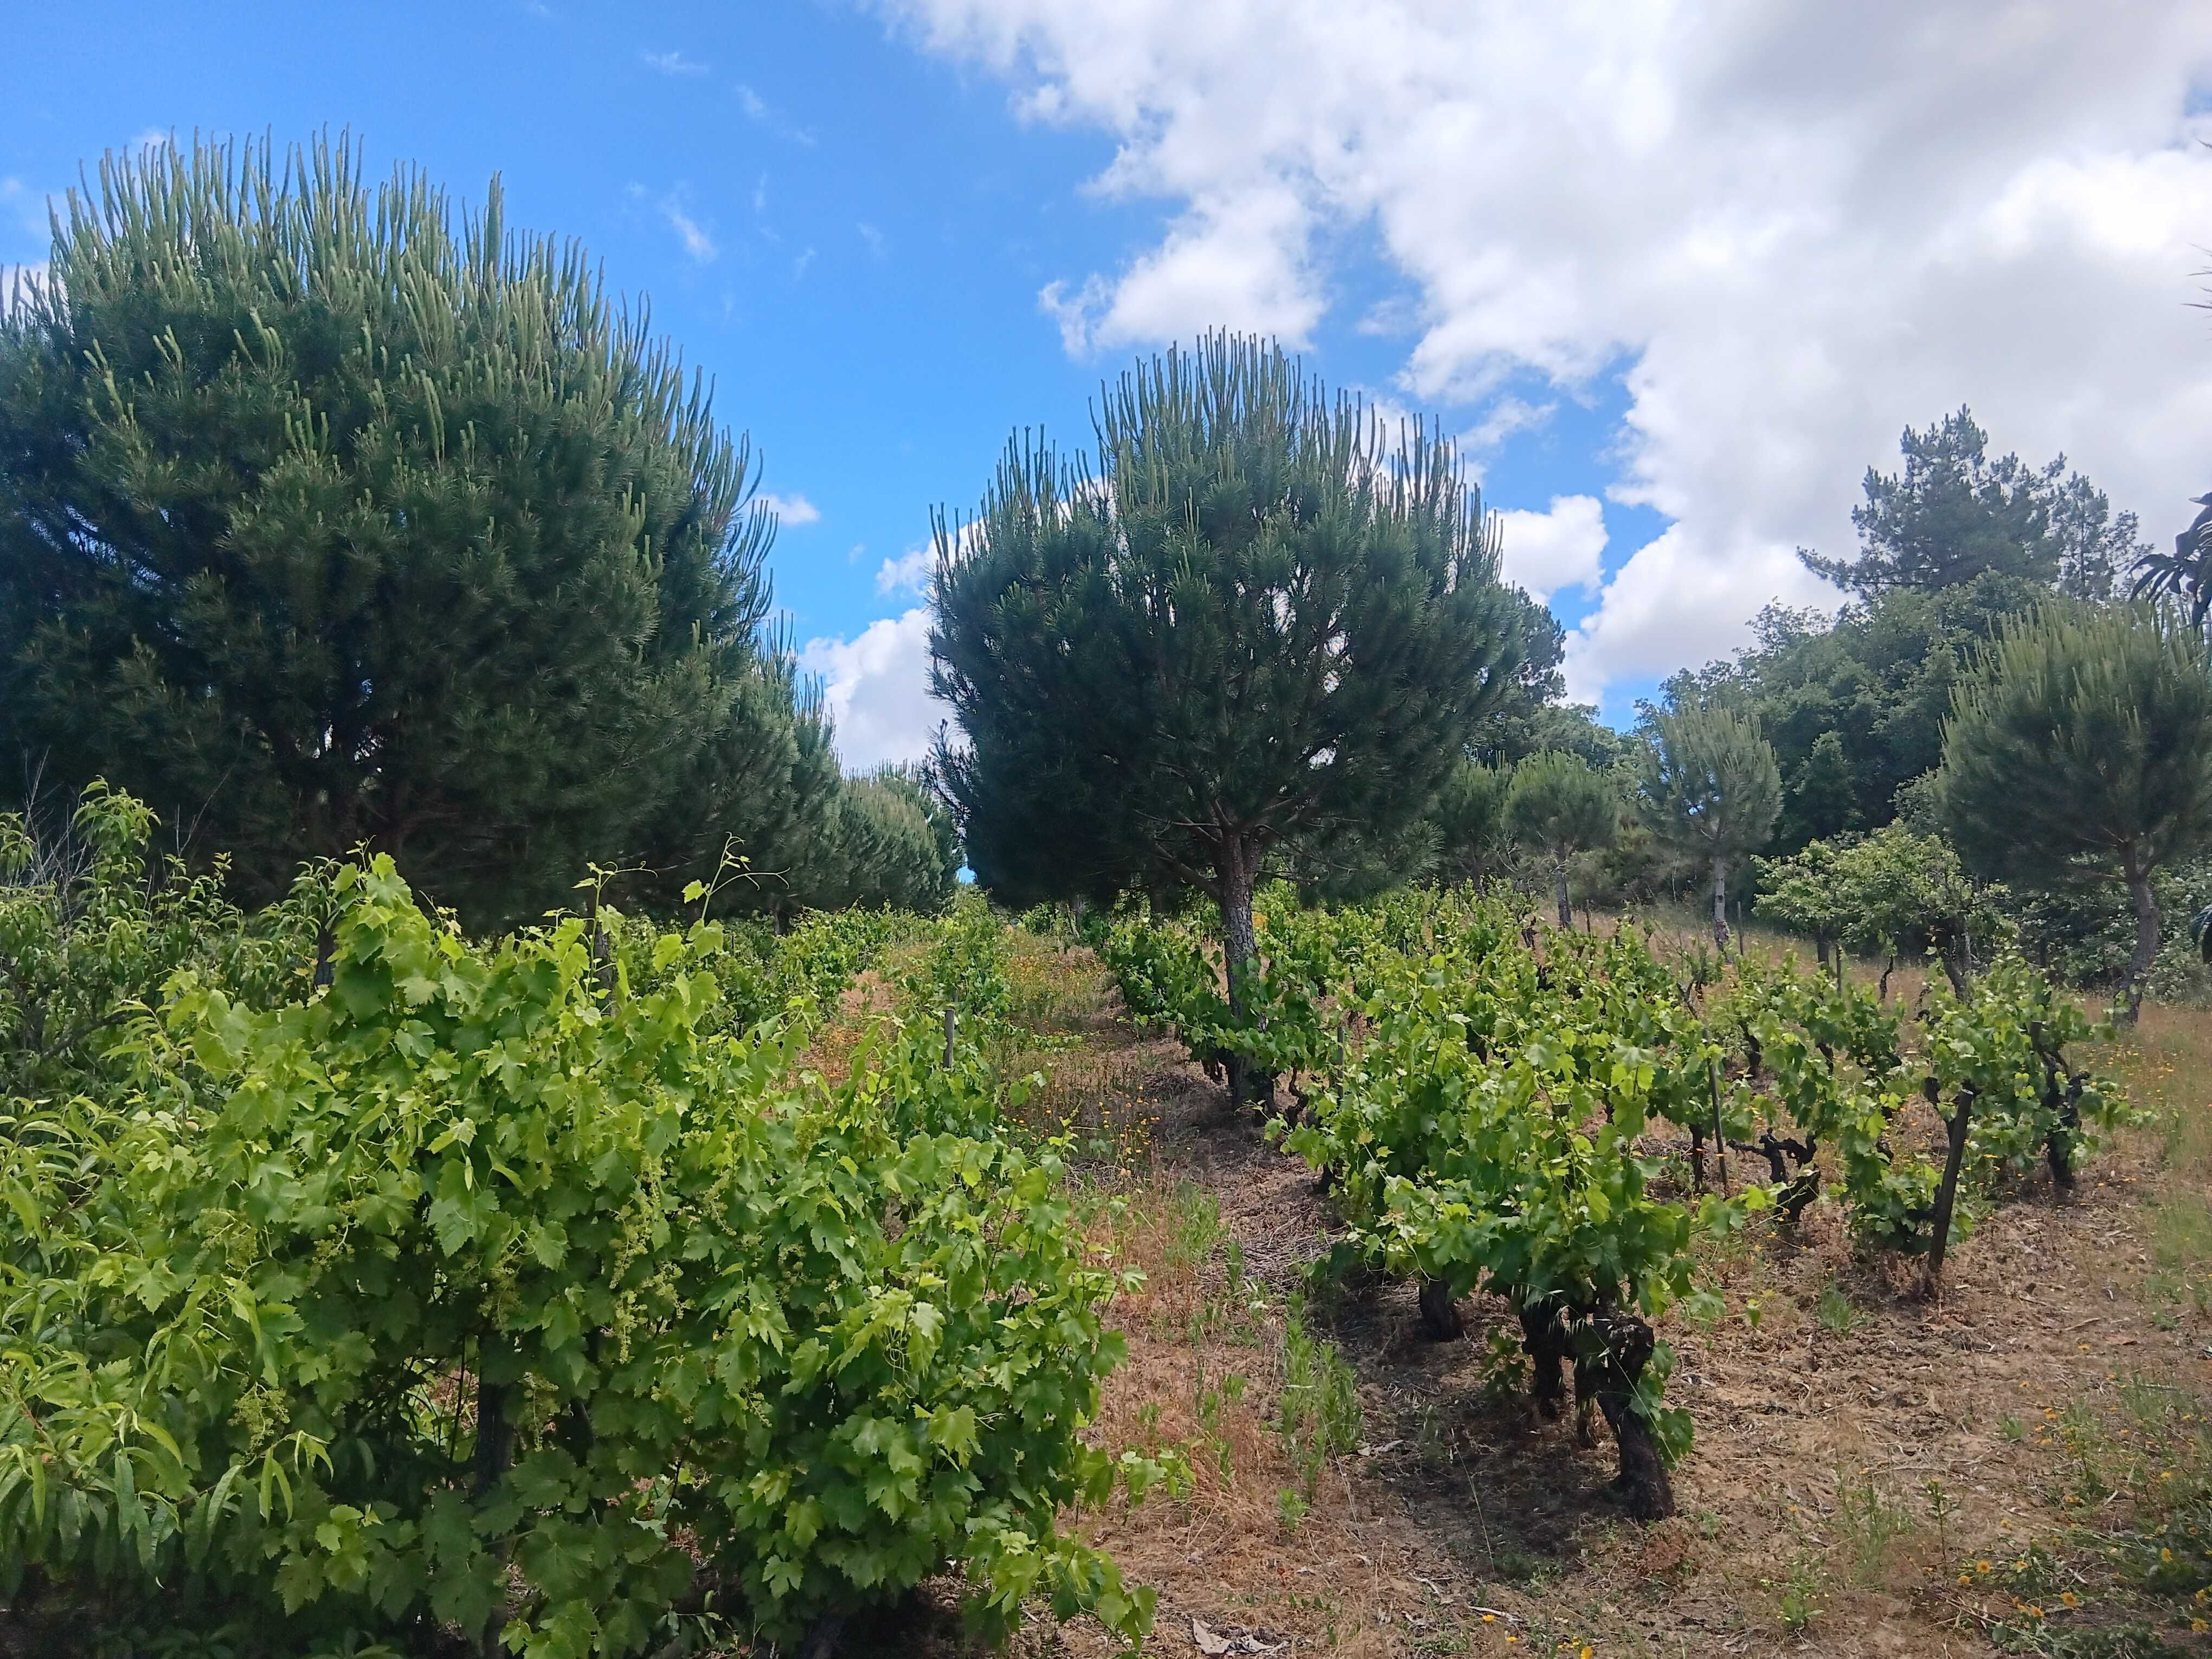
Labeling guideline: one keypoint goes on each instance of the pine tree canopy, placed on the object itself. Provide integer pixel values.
(2082, 747)
(1709, 789)
(1953, 513)
(326, 521)
(1254, 621)
(2086, 735)
(1470, 822)
(1556, 805)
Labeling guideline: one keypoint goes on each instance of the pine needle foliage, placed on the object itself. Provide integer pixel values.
(1256, 622)
(1710, 790)
(2082, 747)
(1558, 806)
(327, 519)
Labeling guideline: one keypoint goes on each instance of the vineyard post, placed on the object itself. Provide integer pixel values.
(1947, 1194)
(952, 1030)
(1719, 1139)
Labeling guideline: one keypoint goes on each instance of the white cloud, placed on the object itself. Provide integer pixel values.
(757, 110)
(697, 242)
(1795, 228)
(908, 574)
(19, 282)
(877, 690)
(872, 237)
(791, 511)
(1504, 417)
(1561, 548)
(674, 64)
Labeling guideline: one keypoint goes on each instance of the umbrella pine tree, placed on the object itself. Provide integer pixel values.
(1253, 624)
(327, 520)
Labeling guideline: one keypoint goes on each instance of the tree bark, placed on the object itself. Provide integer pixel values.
(1947, 1195)
(1237, 870)
(494, 1451)
(2147, 925)
(1543, 1338)
(1628, 1345)
(1720, 903)
(1440, 1319)
(1566, 911)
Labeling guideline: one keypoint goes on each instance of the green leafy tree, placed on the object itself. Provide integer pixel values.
(1709, 788)
(1557, 806)
(1894, 891)
(1953, 513)
(1256, 624)
(2082, 749)
(326, 521)
(1854, 707)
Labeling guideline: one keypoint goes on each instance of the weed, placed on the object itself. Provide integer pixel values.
(1794, 1601)
(1320, 1416)
(2181, 1251)
(2012, 1428)
(1290, 1508)
(1194, 1227)
(1836, 1313)
(1872, 1522)
(1941, 1506)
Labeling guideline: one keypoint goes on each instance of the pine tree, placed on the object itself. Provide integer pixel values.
(1953, 513)
(324, 521)
(1558, 806)
(1709, 789)
(1255, 625)
(890, 841)
(2083, 749)
(1469, 816)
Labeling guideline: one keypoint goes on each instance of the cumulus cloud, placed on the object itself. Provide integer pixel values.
(791, 511)
(877, 690)
(674, 64)
(1792, 228)
(908, 574)
(1563, 547)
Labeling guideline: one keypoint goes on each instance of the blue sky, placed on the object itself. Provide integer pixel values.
(892, 233)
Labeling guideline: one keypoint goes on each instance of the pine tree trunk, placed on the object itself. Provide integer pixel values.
(1237, 869)
(1566, 911)
(2147, 925)
(1720, 903)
